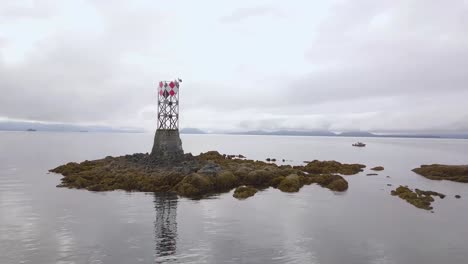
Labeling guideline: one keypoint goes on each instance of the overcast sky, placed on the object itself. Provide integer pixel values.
(397, 65)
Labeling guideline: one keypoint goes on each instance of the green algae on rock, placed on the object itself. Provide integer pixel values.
(331, 181)
(418, 198)
(331, 166)
(244, 192)
(457, 173)
(291, 183)
(378, 168)
(198, 176)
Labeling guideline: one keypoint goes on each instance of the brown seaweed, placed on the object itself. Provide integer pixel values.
(198, 176)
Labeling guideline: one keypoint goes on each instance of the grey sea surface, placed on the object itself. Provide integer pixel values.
(40, 223)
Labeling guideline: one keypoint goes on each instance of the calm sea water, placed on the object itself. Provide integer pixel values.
(40, 223)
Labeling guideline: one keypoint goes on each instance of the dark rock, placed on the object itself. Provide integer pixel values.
(457, 196)
(371, 174)
(210, 168)
(378, 168)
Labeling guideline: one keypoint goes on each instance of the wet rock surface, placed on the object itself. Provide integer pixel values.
(378, 168)
(457, 173)
(199, 176)
(418, 198)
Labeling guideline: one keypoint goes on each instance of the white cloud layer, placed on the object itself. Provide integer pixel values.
(397, 65)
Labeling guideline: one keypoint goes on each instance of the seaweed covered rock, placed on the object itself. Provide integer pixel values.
(338, 185)
(276, 181)
(457, 173)
(378, 168)
(196, 176)
(261, 177)
(73, 167)
(211, 155)
(331, 181)
(195, 185)
(418, 198)
(244, 192)
(225, 180)
(429, 193)
(291, 183)
(331, 166)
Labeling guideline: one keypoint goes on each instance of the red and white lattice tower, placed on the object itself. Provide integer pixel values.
(167, 144)
(168, 105)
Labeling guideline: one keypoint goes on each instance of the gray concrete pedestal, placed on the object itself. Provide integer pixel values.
(167, 145)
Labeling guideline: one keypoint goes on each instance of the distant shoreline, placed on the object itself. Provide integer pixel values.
(73, 131)
(254, 133)
(330, 134)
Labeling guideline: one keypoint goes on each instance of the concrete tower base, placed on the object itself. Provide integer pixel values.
(167, 145)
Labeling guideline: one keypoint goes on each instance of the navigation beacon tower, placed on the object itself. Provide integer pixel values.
(167, 144)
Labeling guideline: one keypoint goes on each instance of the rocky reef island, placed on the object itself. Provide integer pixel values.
(202, 175)
(457, 173)
(418, 198)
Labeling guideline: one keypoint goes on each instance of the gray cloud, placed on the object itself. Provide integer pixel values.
(18, 10)
(350, 65)
(81, 78)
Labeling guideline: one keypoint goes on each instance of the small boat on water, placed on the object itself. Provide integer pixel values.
(359, 144)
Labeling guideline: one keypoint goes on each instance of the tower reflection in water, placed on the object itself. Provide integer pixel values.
(165, 227)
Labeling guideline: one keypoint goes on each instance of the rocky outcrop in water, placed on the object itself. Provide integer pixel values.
(418, 198)
(457, 173)
(378, 168)
(244, 192)
(198, 176)
(331, 166)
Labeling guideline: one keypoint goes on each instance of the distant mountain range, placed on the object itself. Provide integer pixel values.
(322, 133)
(190, 130)
(286, 133)
(38, 126)
(57, 127)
